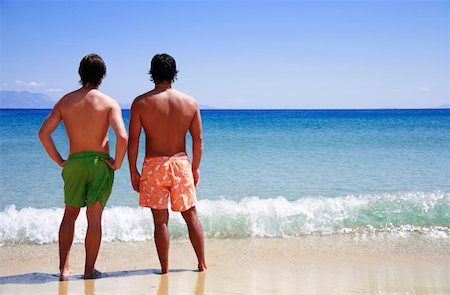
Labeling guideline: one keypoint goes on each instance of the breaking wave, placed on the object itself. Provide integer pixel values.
(396, 214)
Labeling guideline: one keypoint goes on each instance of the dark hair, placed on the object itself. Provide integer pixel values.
(163, 68)
(92, 69)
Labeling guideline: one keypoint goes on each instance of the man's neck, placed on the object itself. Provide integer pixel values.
(90, 87)
(161, 86)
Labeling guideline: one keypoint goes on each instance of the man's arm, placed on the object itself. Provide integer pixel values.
(197, 145)
(133, 145)
(116, 122)
(45, 135)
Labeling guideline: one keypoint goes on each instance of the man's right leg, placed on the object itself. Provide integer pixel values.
(161, 236)
(66, 232)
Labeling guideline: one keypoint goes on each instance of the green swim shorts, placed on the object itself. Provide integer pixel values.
(87, 179)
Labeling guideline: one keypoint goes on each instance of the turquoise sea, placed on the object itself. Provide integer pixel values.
(264, 173)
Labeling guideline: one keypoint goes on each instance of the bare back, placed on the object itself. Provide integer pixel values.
(166, 116)
(85, 114)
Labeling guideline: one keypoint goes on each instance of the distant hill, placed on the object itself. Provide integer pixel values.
(444, 106)
(25, 100)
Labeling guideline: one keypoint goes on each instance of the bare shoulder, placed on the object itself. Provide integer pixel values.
(66, 102)
(188, 100)
(104, 99)
(67, 98)
(140, 100)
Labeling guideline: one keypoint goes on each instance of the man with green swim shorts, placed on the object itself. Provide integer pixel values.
(87, 179)
(88, 174)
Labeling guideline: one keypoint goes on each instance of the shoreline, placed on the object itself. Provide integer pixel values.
(313, 264)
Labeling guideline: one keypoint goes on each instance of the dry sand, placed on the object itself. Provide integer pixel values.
(307, 265)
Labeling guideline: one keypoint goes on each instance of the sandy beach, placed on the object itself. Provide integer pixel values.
(306, 265)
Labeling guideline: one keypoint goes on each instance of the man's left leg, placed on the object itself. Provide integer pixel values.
(93, 239)
(196, 236)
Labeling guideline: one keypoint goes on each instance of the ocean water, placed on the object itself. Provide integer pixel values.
(264, 173)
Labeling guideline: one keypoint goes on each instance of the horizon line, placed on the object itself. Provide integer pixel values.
(280, 109)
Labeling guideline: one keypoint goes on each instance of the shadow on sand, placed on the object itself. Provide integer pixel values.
(42, 278)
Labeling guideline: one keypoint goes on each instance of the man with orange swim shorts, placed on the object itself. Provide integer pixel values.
(164, 176)
(166, 115)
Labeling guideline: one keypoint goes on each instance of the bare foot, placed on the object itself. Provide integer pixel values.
(202, 267)
(92, 275)
(64, 274)
(164, 271)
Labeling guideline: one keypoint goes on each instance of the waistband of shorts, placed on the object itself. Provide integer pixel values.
(89, 155)
(178, 156)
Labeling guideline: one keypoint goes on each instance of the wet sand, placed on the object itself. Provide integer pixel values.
(340, 264)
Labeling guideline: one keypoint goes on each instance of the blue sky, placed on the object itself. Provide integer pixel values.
(237, 54)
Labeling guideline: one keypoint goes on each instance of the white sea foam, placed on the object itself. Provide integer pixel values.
(365, 216)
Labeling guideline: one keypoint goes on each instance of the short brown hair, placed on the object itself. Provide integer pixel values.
(163, 68)
(92, 69)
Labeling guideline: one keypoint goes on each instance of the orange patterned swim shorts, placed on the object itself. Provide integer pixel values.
(164, 176)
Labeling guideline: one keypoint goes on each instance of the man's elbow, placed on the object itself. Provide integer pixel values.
(122, 140)
(42, 134)
(198, 142)
(197, 137)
